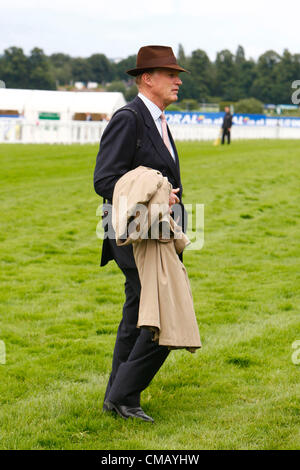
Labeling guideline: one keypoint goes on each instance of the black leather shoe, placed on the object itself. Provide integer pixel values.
(128, 411)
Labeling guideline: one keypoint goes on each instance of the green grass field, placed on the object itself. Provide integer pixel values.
(60, 311)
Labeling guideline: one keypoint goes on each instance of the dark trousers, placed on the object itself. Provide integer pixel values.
(226, 132)
(136, 357)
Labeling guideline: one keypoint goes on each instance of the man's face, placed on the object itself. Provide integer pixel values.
(165, 84)
(226, 109)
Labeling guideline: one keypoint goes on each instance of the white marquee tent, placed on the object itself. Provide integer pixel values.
(32, 102)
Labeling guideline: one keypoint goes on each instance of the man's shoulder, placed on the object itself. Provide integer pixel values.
(127, 113)
(122, 116)
(135, 105)
(125, 121)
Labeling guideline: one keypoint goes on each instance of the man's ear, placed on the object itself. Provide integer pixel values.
(147, 78)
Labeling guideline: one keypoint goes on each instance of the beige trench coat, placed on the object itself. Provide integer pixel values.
(166, 303)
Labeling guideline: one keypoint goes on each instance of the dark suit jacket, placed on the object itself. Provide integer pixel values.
(227, 121)
(118, 155)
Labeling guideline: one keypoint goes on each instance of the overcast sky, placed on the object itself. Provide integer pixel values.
(119, 28)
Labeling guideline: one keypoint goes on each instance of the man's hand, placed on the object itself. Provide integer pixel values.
(173, 199)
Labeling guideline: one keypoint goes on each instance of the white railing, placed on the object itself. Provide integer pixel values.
(81, 132)
(200, 132)
(50, 132)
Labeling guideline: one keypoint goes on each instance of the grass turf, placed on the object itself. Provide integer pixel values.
(60, 311)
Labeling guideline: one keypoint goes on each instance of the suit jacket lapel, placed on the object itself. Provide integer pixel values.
(158, 142)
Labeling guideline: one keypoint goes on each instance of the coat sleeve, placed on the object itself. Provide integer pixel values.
(116, 153)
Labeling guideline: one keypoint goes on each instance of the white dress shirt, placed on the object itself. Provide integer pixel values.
(155, 112)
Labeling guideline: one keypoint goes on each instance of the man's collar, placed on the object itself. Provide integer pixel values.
(154, 110)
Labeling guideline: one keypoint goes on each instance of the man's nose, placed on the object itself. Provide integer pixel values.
(178, 81)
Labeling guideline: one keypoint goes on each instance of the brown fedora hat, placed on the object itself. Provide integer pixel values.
(154, 57)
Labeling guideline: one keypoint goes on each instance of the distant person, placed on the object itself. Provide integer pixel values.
(88, 117)
(226, 126)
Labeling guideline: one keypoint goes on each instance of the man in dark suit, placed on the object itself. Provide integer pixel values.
(134, 137)
(226, 126)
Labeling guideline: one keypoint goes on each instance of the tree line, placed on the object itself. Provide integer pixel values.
(230, 77)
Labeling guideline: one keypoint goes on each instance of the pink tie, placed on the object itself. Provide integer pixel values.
(165, 132)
